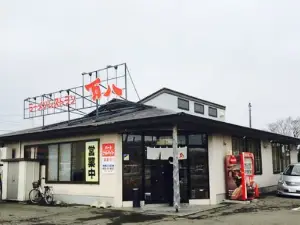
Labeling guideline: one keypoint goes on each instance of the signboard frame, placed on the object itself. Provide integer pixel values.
(111, 78)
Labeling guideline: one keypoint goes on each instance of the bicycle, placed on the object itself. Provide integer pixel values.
(38, 193)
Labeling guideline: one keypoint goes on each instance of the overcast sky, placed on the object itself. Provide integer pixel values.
(229, 52)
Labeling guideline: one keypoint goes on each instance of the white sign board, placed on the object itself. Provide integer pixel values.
(165, 153)
(108, 165)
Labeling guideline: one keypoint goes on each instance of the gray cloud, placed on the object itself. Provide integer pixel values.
(230, 52)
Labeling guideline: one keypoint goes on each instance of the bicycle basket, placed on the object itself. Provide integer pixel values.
(35, 184)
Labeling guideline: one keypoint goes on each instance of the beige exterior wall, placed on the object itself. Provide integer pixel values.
(109, 188)
(218, 147)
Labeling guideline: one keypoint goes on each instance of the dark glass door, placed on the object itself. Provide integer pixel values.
(156, 183)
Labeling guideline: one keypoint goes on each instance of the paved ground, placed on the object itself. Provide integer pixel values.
(269, 210)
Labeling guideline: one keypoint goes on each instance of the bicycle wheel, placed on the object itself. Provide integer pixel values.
(48, 197)
(35, 196)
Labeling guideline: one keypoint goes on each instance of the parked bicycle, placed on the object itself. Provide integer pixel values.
(38, 193)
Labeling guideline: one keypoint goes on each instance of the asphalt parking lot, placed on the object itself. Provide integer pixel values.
(267, 210)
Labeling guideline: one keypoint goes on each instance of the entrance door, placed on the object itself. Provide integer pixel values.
(12, 181)
(158, 182)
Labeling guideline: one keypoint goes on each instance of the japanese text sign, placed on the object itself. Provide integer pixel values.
(94, 88)
(91, 161)
(108, 158)
(108, 150)
(52, 104)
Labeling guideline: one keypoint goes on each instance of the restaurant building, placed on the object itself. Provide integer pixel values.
(123, 145)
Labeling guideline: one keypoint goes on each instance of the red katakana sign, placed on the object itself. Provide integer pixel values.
(51, 104)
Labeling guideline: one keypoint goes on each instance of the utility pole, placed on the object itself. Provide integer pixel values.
(250, 119)
(176, 185)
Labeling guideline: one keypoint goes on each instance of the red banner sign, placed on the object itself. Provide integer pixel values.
(51, 104)
(108, 150)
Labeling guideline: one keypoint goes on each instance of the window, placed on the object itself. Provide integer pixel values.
(281, 157)
(240, 145)
(132, 168)
(67, 162)
(52, 163)
(212, 112)
(253, 146)
(292, 170)
(27, 153)
(42, 154)
(183, 104)
(13, 153)
(64, 162)
(199, 108)
(197, 139)
(199, 175)
(78, 163)
(237, 145)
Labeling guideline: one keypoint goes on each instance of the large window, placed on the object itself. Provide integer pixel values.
(183, 104)
(67, 162)
(198, 166)
(27, 152)
(280, 156)
(240, 144)
(254, 146)
(132, 165)
(212, 112)
(52, 163)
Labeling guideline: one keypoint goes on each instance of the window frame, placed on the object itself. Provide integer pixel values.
(197, 111)
(70, 142)
(212, 108)
(184, 100)
(14, 153)
(244, 148)
(203, 145)
(281, 158)
(255, 141)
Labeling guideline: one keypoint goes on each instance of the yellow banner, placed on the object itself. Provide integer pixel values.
(91, 161)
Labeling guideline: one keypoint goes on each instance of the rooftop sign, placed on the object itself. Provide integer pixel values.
(98, 87)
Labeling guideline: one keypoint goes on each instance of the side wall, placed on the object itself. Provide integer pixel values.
(109, 188)
(218, 147)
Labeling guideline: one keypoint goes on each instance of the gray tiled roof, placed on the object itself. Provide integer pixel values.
(133, 111)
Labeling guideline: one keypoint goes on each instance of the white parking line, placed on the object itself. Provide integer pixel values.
(296, 209)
